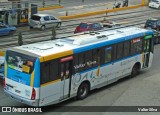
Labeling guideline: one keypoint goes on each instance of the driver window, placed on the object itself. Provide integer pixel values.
(52, 18)
(46, 18)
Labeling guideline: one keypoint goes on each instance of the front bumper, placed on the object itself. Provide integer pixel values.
(22, 100)
(35, 26)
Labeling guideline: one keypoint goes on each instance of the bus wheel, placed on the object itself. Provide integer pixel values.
(82, 91)
(135, 70)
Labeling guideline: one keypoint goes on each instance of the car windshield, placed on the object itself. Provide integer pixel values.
(37, 18)
(83, 25)
(154, 0)
(150, 21)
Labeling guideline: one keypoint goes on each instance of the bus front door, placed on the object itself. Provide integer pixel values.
(66, 73)
(146, 54)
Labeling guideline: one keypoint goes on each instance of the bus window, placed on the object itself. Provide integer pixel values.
(97, 57)
(108, 54)
(119, 50)
(126, 48)
(75, 67)
(20, 62)
(81, 62)
(45, 73)
(136, 46)
(88, 59)
(54, 69)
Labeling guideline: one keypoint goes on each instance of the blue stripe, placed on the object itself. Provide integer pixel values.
(109, 63)
(37, 74)
(106, 42)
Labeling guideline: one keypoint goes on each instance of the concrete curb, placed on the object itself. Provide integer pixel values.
(99, 12)
(49, 8)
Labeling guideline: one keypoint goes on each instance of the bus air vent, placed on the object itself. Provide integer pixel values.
(59, 44)
(43, 47)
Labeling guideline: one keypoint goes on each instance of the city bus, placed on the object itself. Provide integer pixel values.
(50, 72)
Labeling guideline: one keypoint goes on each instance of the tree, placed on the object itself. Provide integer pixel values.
(43, 3)
(20, 41)
(53, 33)
(59, 2)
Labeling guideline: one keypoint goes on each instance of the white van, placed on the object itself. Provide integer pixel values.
(154, 4)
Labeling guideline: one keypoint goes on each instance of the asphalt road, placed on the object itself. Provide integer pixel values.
(143, 90)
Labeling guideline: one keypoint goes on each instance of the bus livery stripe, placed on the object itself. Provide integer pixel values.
(32, 79)
(57, 55)
(45, 84)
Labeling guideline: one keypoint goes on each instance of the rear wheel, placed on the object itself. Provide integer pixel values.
(31, 27)
(82, 91)
(43, 27)
(135, 70)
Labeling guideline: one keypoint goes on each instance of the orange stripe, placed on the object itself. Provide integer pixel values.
(57, 55)
(45, 84)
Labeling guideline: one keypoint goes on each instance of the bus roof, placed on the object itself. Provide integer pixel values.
(80, 43)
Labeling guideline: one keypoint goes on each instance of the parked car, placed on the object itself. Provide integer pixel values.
(6, 29)
(43, 21)
(154, 4)
(156, 37)
(84, 26)
(153, 24)
(110, 24)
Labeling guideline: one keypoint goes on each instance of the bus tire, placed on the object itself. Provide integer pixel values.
(83, 91)
(135, 70)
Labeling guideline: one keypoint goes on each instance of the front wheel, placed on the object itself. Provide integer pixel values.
(135, 70)
(43, 27)
(30, 27)
(82, 91)
(11, 33)
(58, 24)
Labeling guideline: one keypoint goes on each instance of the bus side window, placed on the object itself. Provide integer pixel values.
(88, 59)
(75, 67)
(119, 51)
(108, 54)
(44, 72)
(54, 70)
(97, 56)
(81, 62)
(126, 48)
(136, 46)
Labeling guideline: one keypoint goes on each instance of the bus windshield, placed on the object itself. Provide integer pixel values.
(20, 62)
